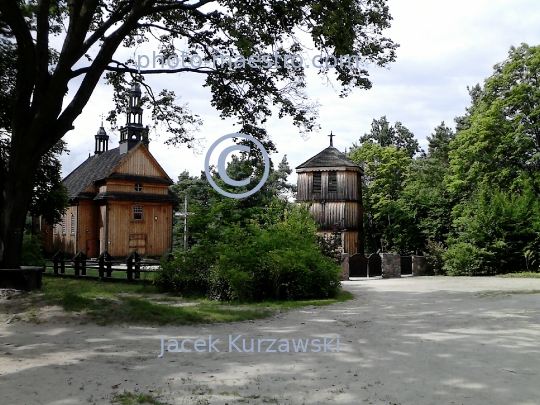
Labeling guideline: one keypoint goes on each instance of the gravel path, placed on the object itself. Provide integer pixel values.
(409, 341)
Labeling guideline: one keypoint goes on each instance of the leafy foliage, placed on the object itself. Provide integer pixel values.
(251, 249)
(255, 263)
(399, 136)
(32, 251)
(500, 142)
(499, 230)
(386, 223)
(470, 204)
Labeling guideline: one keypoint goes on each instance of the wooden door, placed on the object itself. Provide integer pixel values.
(137, 242)
(92, 248)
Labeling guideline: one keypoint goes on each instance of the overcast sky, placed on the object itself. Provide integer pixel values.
(445, 46)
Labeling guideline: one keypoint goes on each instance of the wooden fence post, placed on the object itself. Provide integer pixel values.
(104, 259)
(133, 263)
(58, 261)
(137, 260)
(129, 263)
(80, 263)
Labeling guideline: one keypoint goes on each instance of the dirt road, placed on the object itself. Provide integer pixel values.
(410, 341)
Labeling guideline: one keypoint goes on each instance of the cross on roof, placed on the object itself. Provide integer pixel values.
(331, 138)
(102, 115)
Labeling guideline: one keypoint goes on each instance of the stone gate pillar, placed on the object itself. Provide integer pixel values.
(390, 265)
(419, 265)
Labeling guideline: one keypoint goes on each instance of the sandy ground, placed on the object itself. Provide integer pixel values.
(421, 341)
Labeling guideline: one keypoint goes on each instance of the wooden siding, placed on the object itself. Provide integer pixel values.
(342, 208)
(122, 228)
(129, 187)
(139, 162)
(103, 243)
(348, 187)
(64, 241)
(347, 215)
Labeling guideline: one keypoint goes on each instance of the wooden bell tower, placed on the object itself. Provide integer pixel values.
(332, 183)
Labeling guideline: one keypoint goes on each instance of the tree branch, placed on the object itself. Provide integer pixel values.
(117, 15)
(42, 52)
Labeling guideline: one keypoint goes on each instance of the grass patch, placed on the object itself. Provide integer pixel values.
(524, 274)
(107, 303)
(120, 274)
(128, 398)
(508, 293)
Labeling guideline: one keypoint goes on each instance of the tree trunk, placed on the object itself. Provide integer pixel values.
(18, 186)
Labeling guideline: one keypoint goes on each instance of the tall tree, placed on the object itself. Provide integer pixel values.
(498, 143)
(92, 31)
(397, 135)
(425, 195)
(385, 169)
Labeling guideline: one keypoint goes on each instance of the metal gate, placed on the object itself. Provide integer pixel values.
(358, 265)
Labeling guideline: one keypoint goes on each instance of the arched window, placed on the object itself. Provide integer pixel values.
(137, 213)
(64, 230)
(72, 224)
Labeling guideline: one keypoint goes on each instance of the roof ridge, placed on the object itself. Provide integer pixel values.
(328, 157)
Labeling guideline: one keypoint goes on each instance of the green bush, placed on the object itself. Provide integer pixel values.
(465, 259)
(186, 274)
(31, 255)
(434, 255)
(498, 232)
(255, 263)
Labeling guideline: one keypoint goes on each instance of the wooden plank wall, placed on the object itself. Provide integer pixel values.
(121, 226)
(129, 187)
(138, 162)
(66, 242)
(348, 187)
(345, 214)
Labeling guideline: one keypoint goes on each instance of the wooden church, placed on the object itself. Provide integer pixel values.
(332, 184)
(119, 198)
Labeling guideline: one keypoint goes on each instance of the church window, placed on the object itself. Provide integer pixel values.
(138, 187)
(55, 229)
(137, 213)
(64, 225)
(332, 182)
(72, 225)
(317, 182)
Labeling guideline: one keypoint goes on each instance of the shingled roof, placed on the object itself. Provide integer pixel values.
(94, 168)
(329, 157)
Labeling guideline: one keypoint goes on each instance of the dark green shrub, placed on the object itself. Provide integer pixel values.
(252, 263)
(31, 255)
(434, 255)
(186, 274)
(498, 232)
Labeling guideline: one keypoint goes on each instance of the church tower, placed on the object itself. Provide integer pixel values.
(332, 184)
(133, 132)
(102, 141)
